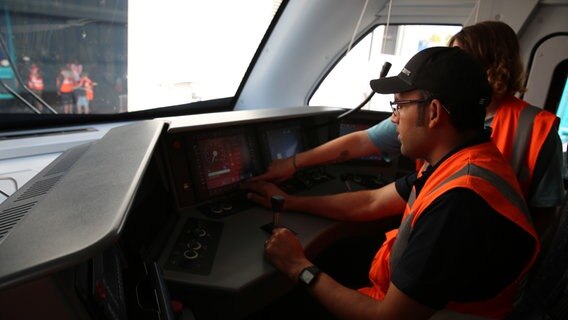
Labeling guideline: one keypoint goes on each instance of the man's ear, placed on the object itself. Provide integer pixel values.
(435, 113)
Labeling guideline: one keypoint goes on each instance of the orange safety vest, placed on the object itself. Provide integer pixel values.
(35, 82)
(88, 85)
(481, 169)
(519, 132)
(67, 85)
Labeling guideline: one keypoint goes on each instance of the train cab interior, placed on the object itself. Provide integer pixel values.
(132, 208)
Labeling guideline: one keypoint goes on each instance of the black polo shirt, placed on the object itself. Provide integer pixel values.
(460, 248)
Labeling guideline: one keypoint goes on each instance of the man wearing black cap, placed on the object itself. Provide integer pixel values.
(465, 242)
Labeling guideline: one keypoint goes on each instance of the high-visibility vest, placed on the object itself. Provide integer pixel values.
(67, 85)
(480, 168)
(519, 131)
(35, 82)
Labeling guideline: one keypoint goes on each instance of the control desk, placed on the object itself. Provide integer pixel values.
(153, 212)
(217, 247)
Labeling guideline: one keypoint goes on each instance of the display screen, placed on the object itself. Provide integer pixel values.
(220, 160)
(284, 142)
(280, 140)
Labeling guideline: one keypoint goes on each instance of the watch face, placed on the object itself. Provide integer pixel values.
(306, 276)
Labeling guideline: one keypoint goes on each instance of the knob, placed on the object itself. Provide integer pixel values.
(190, 254)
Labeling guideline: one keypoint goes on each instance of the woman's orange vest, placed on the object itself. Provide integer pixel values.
(482, 169)
(519, 131)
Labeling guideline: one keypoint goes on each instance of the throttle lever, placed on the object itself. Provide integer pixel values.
(277, 203)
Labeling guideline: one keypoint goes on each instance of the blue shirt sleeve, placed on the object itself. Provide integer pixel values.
(384, 136)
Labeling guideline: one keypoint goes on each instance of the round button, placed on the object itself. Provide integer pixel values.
(198, 232)
(194, 245)
(216, 209)
(190, 254)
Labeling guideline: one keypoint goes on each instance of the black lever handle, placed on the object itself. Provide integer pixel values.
(385, 69)
(277, 203)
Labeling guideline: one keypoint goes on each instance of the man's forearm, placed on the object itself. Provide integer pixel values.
(363, 205)
(337, 151)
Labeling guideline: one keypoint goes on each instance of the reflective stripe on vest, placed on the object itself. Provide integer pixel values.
(521, 143)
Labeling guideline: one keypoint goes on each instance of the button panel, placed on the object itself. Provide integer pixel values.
(195, 247)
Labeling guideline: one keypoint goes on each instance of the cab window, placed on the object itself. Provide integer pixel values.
(347, 84)
(117, 56)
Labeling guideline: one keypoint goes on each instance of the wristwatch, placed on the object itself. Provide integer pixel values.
(308, 275)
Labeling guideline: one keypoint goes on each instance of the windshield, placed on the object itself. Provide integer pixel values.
(115, 56)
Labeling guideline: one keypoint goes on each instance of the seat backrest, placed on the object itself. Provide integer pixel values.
(546, 295)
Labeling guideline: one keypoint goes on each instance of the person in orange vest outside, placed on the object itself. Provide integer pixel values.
(65, 83)
(466, 241)
(84, 93)
(534, 152)
(35, 83)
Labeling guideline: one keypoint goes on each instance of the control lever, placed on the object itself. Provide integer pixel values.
(277, 203)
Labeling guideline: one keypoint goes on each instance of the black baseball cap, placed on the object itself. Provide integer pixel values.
(453, 76)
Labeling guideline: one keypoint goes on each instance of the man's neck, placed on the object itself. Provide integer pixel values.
(450, 143)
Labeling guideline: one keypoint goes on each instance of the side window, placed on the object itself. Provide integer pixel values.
(557, 99)
(563, 113)
(347, 84)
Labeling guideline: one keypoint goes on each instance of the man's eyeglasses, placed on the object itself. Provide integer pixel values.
(397, 105)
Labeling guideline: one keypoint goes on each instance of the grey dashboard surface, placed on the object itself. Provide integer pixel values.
(76, 206)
